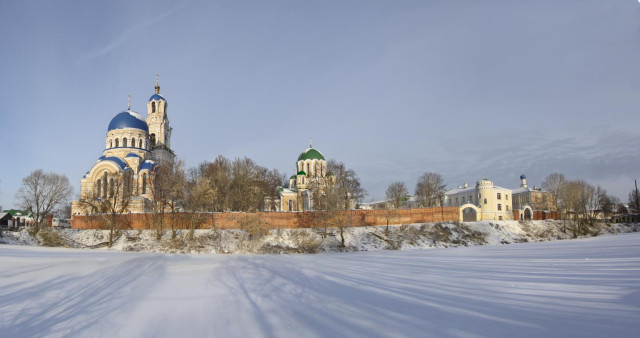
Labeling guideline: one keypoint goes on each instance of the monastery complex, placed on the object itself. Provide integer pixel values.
(136, 146)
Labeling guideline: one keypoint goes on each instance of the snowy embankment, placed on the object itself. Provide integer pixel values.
(257, 240)
(580, 288)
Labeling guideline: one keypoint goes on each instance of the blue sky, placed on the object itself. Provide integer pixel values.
(469, 89)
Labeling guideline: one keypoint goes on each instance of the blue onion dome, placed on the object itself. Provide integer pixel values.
(523, 176)
(128, 119)
(157, 97)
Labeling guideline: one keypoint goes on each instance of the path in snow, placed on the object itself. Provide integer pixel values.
(580, 288)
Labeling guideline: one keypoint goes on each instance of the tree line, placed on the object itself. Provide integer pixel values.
(429, 192)
(582, 202)
(244, 186)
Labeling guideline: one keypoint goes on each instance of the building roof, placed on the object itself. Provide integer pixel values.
(122, 164)
(471, 189)
(16, 212)
(147, 165)
(526, 189)
(288, 191)
(156, 97)
(301, 173)
(460, 190)
(133, 155)
(128, 119)
(310, 154)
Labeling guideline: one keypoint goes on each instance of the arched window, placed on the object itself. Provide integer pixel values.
(290, 205)
(152, 138)
(133, 142)
(153, 107)
(110, 143)
(124, 142)
(144, 184)
(99, 184)
(111, 187)
(105, 184)
(125, 189)
(117, 143)
(308, 169)
(140, 146)
(485, 201)
(317, 169)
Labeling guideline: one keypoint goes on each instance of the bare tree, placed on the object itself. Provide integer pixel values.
(430, 189)
(609, 205)
(634, 204)
(390, 214)
(176, 193)
(166, 184)
(333, 196)
(271, 180)
(197, 199)
(346, 182)
(110, 203)
(41, 192)
(554, 184)
(581, 202)
(219, 173)
(396, 193)
(244, 194)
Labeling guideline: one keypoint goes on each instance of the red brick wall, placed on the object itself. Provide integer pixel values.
(538, 215)
(273, 220)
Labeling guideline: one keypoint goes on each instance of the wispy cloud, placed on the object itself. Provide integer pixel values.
(129, 34)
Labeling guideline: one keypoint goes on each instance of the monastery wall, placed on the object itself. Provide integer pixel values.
(272, 220)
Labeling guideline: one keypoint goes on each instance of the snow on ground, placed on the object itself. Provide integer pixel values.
(578, 288)
(411, 236)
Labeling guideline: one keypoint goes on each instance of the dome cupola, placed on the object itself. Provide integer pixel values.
(128, 119)
(310, 154)
(523, 179)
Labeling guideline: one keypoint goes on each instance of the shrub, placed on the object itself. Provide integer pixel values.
(251, 225)
(50, 237)
(306, 242)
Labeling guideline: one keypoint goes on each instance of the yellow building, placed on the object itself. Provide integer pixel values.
(134, 147)
(484, 201)
(533, 203)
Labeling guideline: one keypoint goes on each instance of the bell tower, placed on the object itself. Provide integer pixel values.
(159, 129)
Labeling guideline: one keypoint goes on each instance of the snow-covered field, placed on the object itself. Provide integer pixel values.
(578, 288)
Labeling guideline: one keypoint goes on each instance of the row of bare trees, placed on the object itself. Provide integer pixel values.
(580, 201)
(429, 192)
